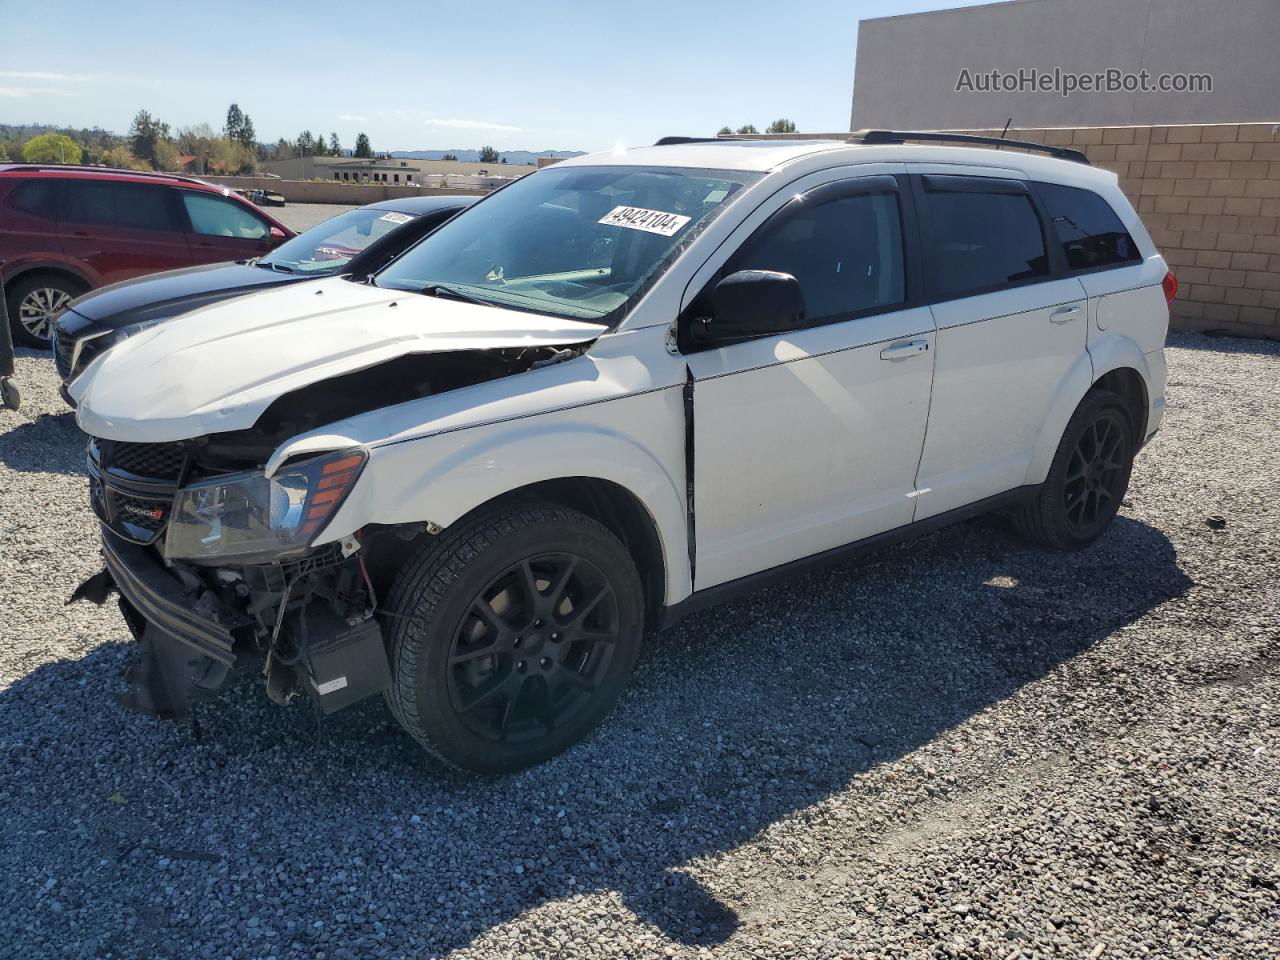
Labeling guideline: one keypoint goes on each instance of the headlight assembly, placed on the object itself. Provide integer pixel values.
(251, 517)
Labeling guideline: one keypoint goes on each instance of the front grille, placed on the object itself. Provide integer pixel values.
(132, 486)
(154, 461)
(149, 515)
(89, 349)
(63, 348)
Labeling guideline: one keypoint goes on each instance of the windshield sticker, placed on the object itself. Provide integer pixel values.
(396, 217)
(638, 218)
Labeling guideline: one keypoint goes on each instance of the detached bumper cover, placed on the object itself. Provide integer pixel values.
(163, 600)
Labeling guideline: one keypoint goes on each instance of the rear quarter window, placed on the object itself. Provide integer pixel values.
(1090, 232)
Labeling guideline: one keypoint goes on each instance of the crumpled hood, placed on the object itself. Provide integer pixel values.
(217, 369)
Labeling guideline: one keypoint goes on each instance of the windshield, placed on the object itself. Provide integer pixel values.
(580, 242)
(328, 246)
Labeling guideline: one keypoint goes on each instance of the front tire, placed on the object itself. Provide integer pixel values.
(1087, 479)
(512, 635)
(34, 301)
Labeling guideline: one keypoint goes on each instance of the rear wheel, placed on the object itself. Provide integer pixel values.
(512, 636)
(1087, 479)
(34, 301)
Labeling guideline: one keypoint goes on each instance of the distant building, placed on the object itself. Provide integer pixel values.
(392, 170)
(911, 70)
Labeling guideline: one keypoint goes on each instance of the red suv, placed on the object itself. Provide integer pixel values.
(66, 230)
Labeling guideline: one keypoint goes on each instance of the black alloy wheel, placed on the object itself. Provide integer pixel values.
(1097, 472)
(511, 635)
(533, 647)
(1087, 478)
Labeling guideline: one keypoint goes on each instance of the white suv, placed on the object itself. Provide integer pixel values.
(621, 388)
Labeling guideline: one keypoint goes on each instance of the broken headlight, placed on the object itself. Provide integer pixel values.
(252, 517)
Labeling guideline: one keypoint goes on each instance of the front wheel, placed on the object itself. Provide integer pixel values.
(512, 636)
(1087, 479)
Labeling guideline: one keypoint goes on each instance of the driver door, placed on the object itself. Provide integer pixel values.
(808, 440)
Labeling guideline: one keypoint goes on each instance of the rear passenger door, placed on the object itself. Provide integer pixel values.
(808, 440)
(1010, 327)
(223, 229)
(122, 230)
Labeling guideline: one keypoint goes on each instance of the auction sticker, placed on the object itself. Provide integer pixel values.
(396, 217)
(638, 218)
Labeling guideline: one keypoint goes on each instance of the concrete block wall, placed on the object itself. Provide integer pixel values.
(1210, 196)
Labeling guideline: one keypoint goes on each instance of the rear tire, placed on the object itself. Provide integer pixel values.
(33, 301)
(1087, 478)
(512, 635)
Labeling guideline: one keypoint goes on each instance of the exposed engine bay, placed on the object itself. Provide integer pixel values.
(308, 619)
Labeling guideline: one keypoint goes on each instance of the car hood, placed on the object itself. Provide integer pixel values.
(217, 369)
(163, 295)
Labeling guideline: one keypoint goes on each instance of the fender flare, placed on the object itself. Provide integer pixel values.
(464, 475)
(12, 273)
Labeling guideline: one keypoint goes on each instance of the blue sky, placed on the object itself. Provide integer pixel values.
(541, 74)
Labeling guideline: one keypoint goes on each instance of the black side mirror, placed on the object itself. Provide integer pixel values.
(750, 304)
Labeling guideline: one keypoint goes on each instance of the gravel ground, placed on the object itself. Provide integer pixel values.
(962, 747)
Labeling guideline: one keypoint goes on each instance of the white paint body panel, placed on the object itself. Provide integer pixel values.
(217, 369)
(806, 442)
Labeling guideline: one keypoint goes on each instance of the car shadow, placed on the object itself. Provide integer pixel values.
(168, 842)
(51, 443)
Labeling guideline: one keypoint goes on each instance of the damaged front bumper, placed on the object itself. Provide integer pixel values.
(191, 639)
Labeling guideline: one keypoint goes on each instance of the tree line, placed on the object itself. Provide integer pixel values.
(150, 144)
(781, 125)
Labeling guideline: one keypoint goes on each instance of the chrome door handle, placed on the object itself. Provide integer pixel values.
(1065, 314)
(901, 351)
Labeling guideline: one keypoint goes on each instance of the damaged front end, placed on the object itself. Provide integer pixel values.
(215, 561)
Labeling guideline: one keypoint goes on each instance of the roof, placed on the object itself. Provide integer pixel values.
(420, 205)
(758, 155)
(766, 155)
(80, 172)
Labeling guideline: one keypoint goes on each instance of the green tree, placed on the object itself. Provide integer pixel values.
(235, 123)
(450, 156)
(168, 157)
(51, 148)
(145, 132)
(306, 144)
(318, 146)
(198, 141)
(120, 158)
(748, 128)
(248, 136)
(781, 125)
(723, 131)
(488, 155)
(335, 145)
(362, 146)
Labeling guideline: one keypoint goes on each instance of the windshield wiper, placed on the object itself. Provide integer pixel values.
(440, 290)
(274, 266)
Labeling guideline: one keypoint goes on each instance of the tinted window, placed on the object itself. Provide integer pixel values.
(215, 217)
(131, 205)
(846, 253)
(1090, 232)
(984, 240)
(39, 198)
(327, 247)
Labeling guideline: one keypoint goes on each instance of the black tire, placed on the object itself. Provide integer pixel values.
(481, 665)
(1087, 479)
(43, 292)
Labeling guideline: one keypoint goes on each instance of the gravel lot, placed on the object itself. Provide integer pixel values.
(962, 747)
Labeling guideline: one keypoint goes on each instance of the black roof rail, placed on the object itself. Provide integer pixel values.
(932, 136)
(673, 141)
